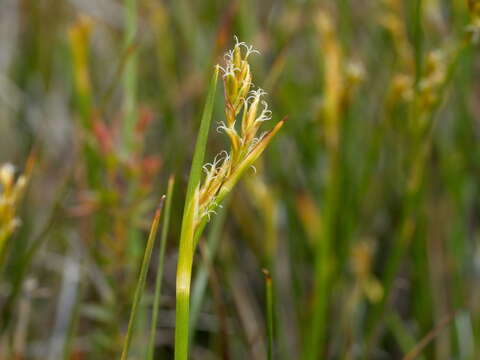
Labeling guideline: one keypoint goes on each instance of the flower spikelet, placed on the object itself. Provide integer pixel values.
(245, 112)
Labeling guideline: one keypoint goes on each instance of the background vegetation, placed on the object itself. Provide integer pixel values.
(364, 210)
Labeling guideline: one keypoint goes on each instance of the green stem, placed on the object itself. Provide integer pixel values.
(161, 260)
(323, 264)
(141, 280)
(269, 304)
(130, 75)
(187, 242)
(410, 208)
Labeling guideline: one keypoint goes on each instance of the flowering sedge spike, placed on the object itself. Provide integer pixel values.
(11, 191)
(245, 111)
(243, 106)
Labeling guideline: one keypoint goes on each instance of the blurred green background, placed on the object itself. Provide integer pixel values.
(365, 208)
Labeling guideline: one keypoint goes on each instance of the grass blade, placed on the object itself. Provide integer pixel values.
(199, 154)
(269, 296)
(141, 280)
(186, 250)
(161, 258)
(130, 75)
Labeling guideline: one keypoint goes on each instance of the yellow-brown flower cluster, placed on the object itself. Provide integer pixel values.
(245, 111)
(10, 193)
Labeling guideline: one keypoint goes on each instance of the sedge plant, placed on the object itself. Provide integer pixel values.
(245, 111)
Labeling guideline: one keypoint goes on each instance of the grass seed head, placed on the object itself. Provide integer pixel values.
(246, 142)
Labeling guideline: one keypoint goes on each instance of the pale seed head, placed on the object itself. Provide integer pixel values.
(244, 106)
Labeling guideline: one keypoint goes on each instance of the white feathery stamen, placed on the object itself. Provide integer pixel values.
(222, 126)
(238, 43)
(228, 56)
(259, 92)
(229, 70)
(249, 48)
(255, 95)
(266, 114)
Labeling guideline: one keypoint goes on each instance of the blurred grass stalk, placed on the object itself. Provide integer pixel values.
(130, 76)
(79, 38)
(141, 280)
(269, 311)
(130, 116)
(324, 232)
(266, 201)
(159, 275)
(428, 96)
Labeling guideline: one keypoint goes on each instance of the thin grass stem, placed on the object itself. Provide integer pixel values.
(187, 246)
(161, 260)
(130, 75)
(269, 309)
(141, 280)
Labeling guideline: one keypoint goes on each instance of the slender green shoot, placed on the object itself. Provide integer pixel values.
(141, 280)
(130, 74)
(161, 259)
(269, 304)
(185, 258)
